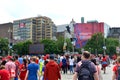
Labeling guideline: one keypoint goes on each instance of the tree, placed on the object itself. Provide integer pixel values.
(97, 41)
(95, 44)
(111, 44)
(60, 44)
(49, 46)
(56, 47)
(17, 48)
(22, 48)
(25, 48)
(69, 45)
(4, 45)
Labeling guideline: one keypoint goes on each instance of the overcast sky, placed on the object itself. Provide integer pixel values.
(62, 11)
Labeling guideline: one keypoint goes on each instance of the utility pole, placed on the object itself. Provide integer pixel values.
(72, 35)
(65, 43)
(119, 45)
(104, 47)
(9, 38)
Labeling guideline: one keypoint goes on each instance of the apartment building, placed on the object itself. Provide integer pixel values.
(114, 32)
(6, 30)
(34, 28)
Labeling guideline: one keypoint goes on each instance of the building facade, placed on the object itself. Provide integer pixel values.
(34, 28)
(62, 30)
(114, 32)
(6, 30)
(84, 31)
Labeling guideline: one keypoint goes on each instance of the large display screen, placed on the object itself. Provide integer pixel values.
(36, 48)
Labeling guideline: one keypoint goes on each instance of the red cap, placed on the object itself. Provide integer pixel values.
(9, 57)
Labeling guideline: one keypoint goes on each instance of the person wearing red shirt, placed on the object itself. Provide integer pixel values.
(52, 71)
(4, 74)
(104, 64)
(23, 70)
(17, 63)
(115, 69)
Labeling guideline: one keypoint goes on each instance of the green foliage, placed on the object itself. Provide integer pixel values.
(111, 44)
(50, 46)
(22, 48)
(69, 45)
(60, 43)
(95, 44)
(97, 41)
(17, 48)
(4, 45)
(26, 47)
(56, 47)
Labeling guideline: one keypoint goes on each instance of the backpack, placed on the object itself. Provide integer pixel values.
(118, 72)
(84, 72)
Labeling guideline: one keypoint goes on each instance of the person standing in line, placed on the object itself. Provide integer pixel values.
(32, 70)
(4, 74)
(11, 67)
(20, 59)
(17, 68)
(85, 65)
(64, 65)
(116, 70)
(97, 68)
(52, 71)
(23, 69)
(104, 64)
(41, 63)
(43, 69)
(71, 60)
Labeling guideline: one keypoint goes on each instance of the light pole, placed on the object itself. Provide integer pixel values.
(9, 38)
(118, 48)
(119, 45)
(65, 43)
(72, 23)
(104, 47)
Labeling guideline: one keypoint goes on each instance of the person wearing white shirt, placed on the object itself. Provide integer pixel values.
(71, 63)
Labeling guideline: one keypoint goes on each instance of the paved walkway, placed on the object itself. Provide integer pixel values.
(107, 76)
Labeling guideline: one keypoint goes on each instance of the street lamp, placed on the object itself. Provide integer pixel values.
(119, 45)
(9, 37)
(118, 48)
(104, 47)
(65, 43)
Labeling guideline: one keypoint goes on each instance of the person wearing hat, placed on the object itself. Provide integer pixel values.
(52, 71)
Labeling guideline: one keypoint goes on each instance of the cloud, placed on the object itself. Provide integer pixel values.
(62, 11)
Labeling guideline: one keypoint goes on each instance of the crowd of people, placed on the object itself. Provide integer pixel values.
(50, 67)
